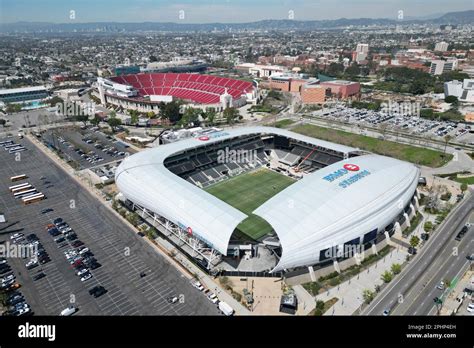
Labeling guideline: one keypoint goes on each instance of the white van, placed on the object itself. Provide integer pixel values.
(68, 311)
(225, 308)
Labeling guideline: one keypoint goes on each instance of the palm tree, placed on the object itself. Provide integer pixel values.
(447, 139)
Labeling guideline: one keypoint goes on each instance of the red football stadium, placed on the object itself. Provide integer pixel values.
(195, 88)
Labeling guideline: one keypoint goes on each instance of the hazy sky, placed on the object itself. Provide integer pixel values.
(205, 11)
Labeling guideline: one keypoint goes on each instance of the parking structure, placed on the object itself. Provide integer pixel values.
(138, 280)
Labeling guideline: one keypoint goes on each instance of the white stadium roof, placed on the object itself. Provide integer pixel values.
(315, 214)
(310, 215)
(22, 90)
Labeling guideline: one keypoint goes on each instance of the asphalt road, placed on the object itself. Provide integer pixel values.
(449, 265)
(436, 250)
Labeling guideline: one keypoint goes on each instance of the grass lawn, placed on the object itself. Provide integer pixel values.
(283, 123)
(409, 153)
(469, 180)
(247, 192)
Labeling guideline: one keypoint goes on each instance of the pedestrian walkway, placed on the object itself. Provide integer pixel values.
(306, 302)
(349, 293)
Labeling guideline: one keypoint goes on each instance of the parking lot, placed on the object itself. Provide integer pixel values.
(398, 122)
(137, 279)
(85, 146)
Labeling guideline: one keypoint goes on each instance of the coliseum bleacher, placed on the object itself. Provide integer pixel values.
(203, 89)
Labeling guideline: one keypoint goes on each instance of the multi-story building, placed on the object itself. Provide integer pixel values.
(441, 46)
(314, 94)
(290, 82)
(464, 91)
(361, 52)
(23, 95)
(440, 66)
(343, 89)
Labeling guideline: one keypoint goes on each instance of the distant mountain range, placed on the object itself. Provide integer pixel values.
(454, 18)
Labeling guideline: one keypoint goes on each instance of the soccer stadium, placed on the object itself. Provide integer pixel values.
(266, 199)
(145, 91)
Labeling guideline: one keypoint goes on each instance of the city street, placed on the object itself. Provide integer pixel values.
(437, 249)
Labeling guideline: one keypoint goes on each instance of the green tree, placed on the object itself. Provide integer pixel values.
(12, 108)
(95, 121)
(2, 122)
(319, 310)
(447, 139)
(396, 268)
(368, 295)
(113, 122)
(464, 187)
(335, 69)
(427, 113)
(428, 226)
(134, 117)
(82, 118)
(387, 276)
(55, 100)
(451, 99)
(230, 115)
(210, 116)
(133, 218)
(170, 111)
(190, 116)
(352, 70)
(414, 241)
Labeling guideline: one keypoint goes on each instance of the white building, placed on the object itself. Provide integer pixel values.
(441, 46)
(361, 52)
(464, 91)
(261, 70)
(440, 66)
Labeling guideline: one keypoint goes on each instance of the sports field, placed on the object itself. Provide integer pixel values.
(249, 191)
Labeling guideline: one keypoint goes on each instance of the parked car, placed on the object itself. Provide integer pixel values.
(38, 276)
(198, 286)
(172, 299)
(97, 291)
(86, 277)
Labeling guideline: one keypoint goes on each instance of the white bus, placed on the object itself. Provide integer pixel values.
(11, 145)
(24, 193)
(30, 195)
(34, 199)
(18, 149)
(8, 142)
(18, 177)
(11, 188)
(22, 189)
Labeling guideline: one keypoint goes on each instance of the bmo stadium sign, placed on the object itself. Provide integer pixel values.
(212, 136)
(353, 170)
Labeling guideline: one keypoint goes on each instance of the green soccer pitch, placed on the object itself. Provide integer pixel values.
(247, 192)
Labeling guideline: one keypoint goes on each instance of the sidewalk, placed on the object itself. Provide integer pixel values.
(306, 302)
(349, 293)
